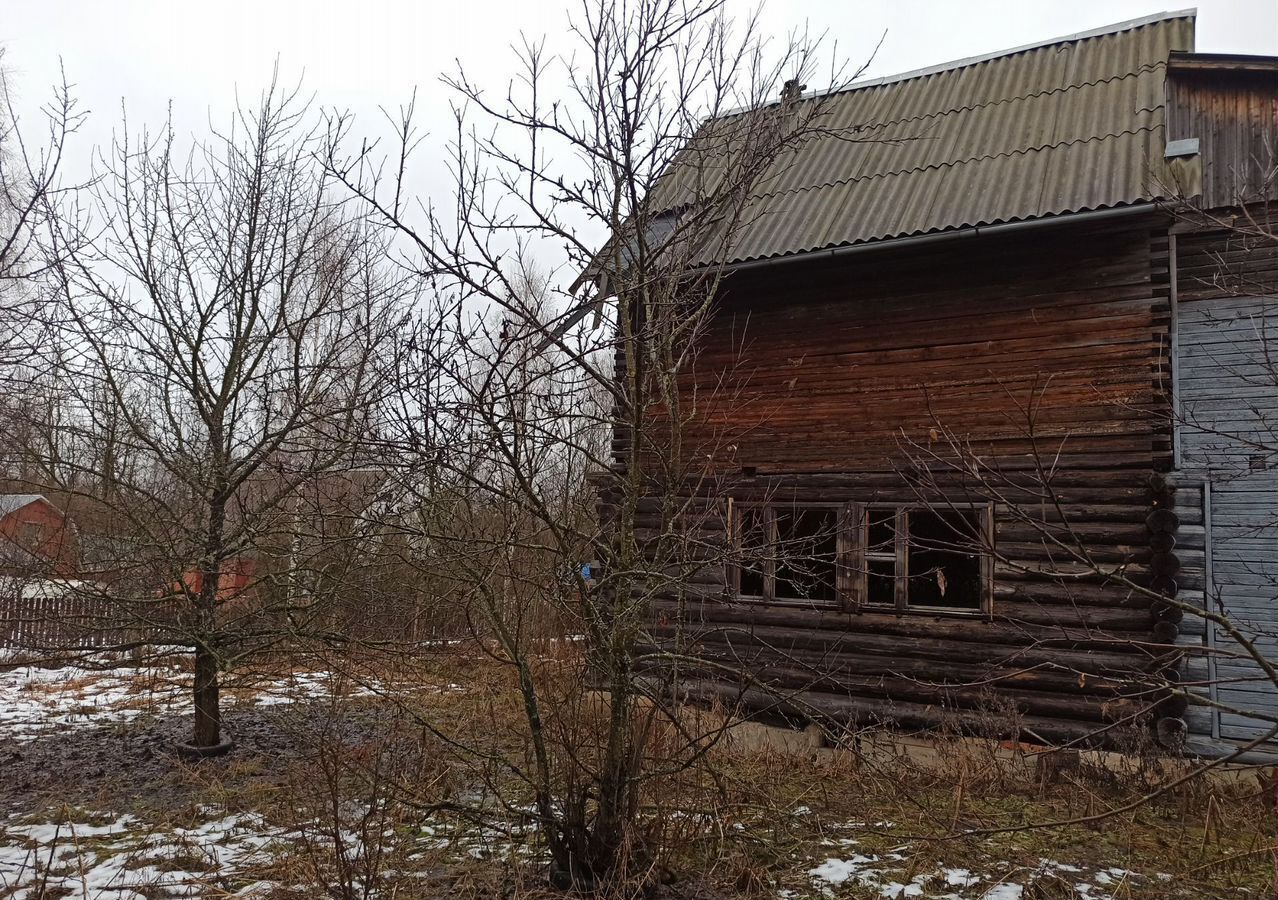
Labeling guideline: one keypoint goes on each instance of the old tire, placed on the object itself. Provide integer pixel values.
(194, 752)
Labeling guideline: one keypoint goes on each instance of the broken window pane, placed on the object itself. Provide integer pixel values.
(944, 558)
(881, 582)
(881, 537)
(806, 547)
(754, 549)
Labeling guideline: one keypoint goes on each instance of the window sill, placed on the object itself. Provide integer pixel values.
(800, 604)
(926, 611)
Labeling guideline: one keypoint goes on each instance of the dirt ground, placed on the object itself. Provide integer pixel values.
(333, 790)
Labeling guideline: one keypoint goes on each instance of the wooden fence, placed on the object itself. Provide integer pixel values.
(49, 615)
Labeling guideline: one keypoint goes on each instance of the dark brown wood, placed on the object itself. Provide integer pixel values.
(851, 712)
(827, 382)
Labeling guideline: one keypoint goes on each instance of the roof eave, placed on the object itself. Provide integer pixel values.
(971, 231)
(1225, 63)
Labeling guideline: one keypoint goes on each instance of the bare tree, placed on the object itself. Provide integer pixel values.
(32, 160)
(573, 503)
(31, 167)
(216, 327)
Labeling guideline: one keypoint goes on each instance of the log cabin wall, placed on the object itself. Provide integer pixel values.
(1043, 352)
(828, 365)
(883, 311)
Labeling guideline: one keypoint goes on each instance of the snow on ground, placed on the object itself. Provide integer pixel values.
(124, 858)
(35, 701)
(38, 701)
(103, 854)
(238, 855)
(890, 875)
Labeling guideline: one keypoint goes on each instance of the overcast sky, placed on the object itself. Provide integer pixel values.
(371, 53)
(362, 54)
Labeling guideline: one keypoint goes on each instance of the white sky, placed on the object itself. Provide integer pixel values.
(369, 53)
(362, 55)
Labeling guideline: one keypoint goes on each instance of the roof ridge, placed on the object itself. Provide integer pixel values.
(1101, 31)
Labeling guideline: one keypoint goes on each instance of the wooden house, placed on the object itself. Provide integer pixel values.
(36, 537)
(981, 363)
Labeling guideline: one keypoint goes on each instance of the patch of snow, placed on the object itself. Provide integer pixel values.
(48, 832)
(36, 702)
(1004, 892)
(837, 871)
(126, 858)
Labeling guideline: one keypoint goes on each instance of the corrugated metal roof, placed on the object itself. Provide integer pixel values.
(1070, 125)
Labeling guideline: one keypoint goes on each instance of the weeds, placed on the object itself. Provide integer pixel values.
(363, 802)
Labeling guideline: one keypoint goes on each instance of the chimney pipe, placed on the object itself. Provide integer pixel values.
(792, 90)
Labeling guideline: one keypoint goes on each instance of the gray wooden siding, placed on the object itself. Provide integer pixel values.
(1227, 381)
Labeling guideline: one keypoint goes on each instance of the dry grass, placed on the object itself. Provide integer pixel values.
(757, 820)
(372, 796)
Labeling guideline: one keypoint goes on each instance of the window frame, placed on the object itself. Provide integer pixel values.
(900, 555)
(736, 511)
(852, 556)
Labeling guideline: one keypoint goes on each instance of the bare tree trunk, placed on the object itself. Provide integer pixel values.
(206, 688)
(207, 695)
(549, 438)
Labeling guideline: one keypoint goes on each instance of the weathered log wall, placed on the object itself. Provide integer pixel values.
(1045, 355)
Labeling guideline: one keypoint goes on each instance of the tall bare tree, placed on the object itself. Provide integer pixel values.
(574, 503)
(215, 330)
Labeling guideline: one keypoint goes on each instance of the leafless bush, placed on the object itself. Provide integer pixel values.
(544, 460)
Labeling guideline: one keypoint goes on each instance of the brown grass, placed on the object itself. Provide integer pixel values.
(755, 819)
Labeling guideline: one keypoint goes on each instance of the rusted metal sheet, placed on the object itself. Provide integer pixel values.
(1075, 124)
